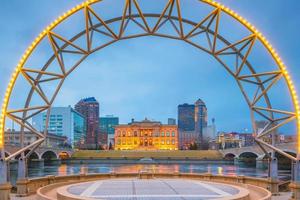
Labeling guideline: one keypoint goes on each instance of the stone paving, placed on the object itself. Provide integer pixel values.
(135, 189)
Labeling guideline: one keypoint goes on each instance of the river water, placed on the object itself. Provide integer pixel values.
(218, 168)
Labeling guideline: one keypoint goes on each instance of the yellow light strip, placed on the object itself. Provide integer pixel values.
(25, 57)
(275, 56)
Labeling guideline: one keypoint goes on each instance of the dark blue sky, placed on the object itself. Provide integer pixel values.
(149, 77)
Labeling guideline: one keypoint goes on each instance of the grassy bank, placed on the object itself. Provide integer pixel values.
(201, 155)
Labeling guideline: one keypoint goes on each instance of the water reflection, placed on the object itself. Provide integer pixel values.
(220, 170)
(38, 170)
(63, 170)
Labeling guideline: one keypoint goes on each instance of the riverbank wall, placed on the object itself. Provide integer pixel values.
(154, 155)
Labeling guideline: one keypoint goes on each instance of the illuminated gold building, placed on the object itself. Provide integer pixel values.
(146, 135)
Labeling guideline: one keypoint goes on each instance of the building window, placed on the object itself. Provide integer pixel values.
(162, 134)
(135, 133)
(124, 134)
(119, 133)
(173, 134)
(173, 141)
(162, 141)
(129, 134)
(168, 134)
(168, 141)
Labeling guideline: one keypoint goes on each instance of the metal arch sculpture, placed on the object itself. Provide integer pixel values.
(61, 45)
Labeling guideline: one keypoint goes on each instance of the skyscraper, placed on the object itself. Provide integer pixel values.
(192, 119)
(186, 125)
(200, 119)
(89, 108)
(186, 119)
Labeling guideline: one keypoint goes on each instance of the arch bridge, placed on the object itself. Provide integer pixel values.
(41, 153)
(256, 151)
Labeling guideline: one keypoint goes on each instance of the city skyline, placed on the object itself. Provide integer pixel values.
(148, 92)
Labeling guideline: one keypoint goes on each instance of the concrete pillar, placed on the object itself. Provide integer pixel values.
(273, 173)
(22, 187)
(273, 167)
(5, 186)
(295, 185)
(5, 189)
(22, 168)
(4, 170)
(22, 177)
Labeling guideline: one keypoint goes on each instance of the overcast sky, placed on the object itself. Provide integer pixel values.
(149, 77)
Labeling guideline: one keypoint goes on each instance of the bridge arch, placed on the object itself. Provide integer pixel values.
(230, 156)
(33, 156)
(248, 155)
(49, 155)
(219, 46)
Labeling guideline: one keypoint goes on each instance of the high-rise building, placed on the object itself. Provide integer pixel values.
(200, 119)
(63, 121)
(107, 126)
(171, 121)
(89, 108)
(146, 135)
(186, 117)
(192, 120)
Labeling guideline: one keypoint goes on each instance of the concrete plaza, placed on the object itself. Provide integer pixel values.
(129, 189)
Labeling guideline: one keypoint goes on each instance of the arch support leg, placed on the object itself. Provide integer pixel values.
(295, 185)
(273, 173)
(5, 186)
(22, 177)
(22, 166)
